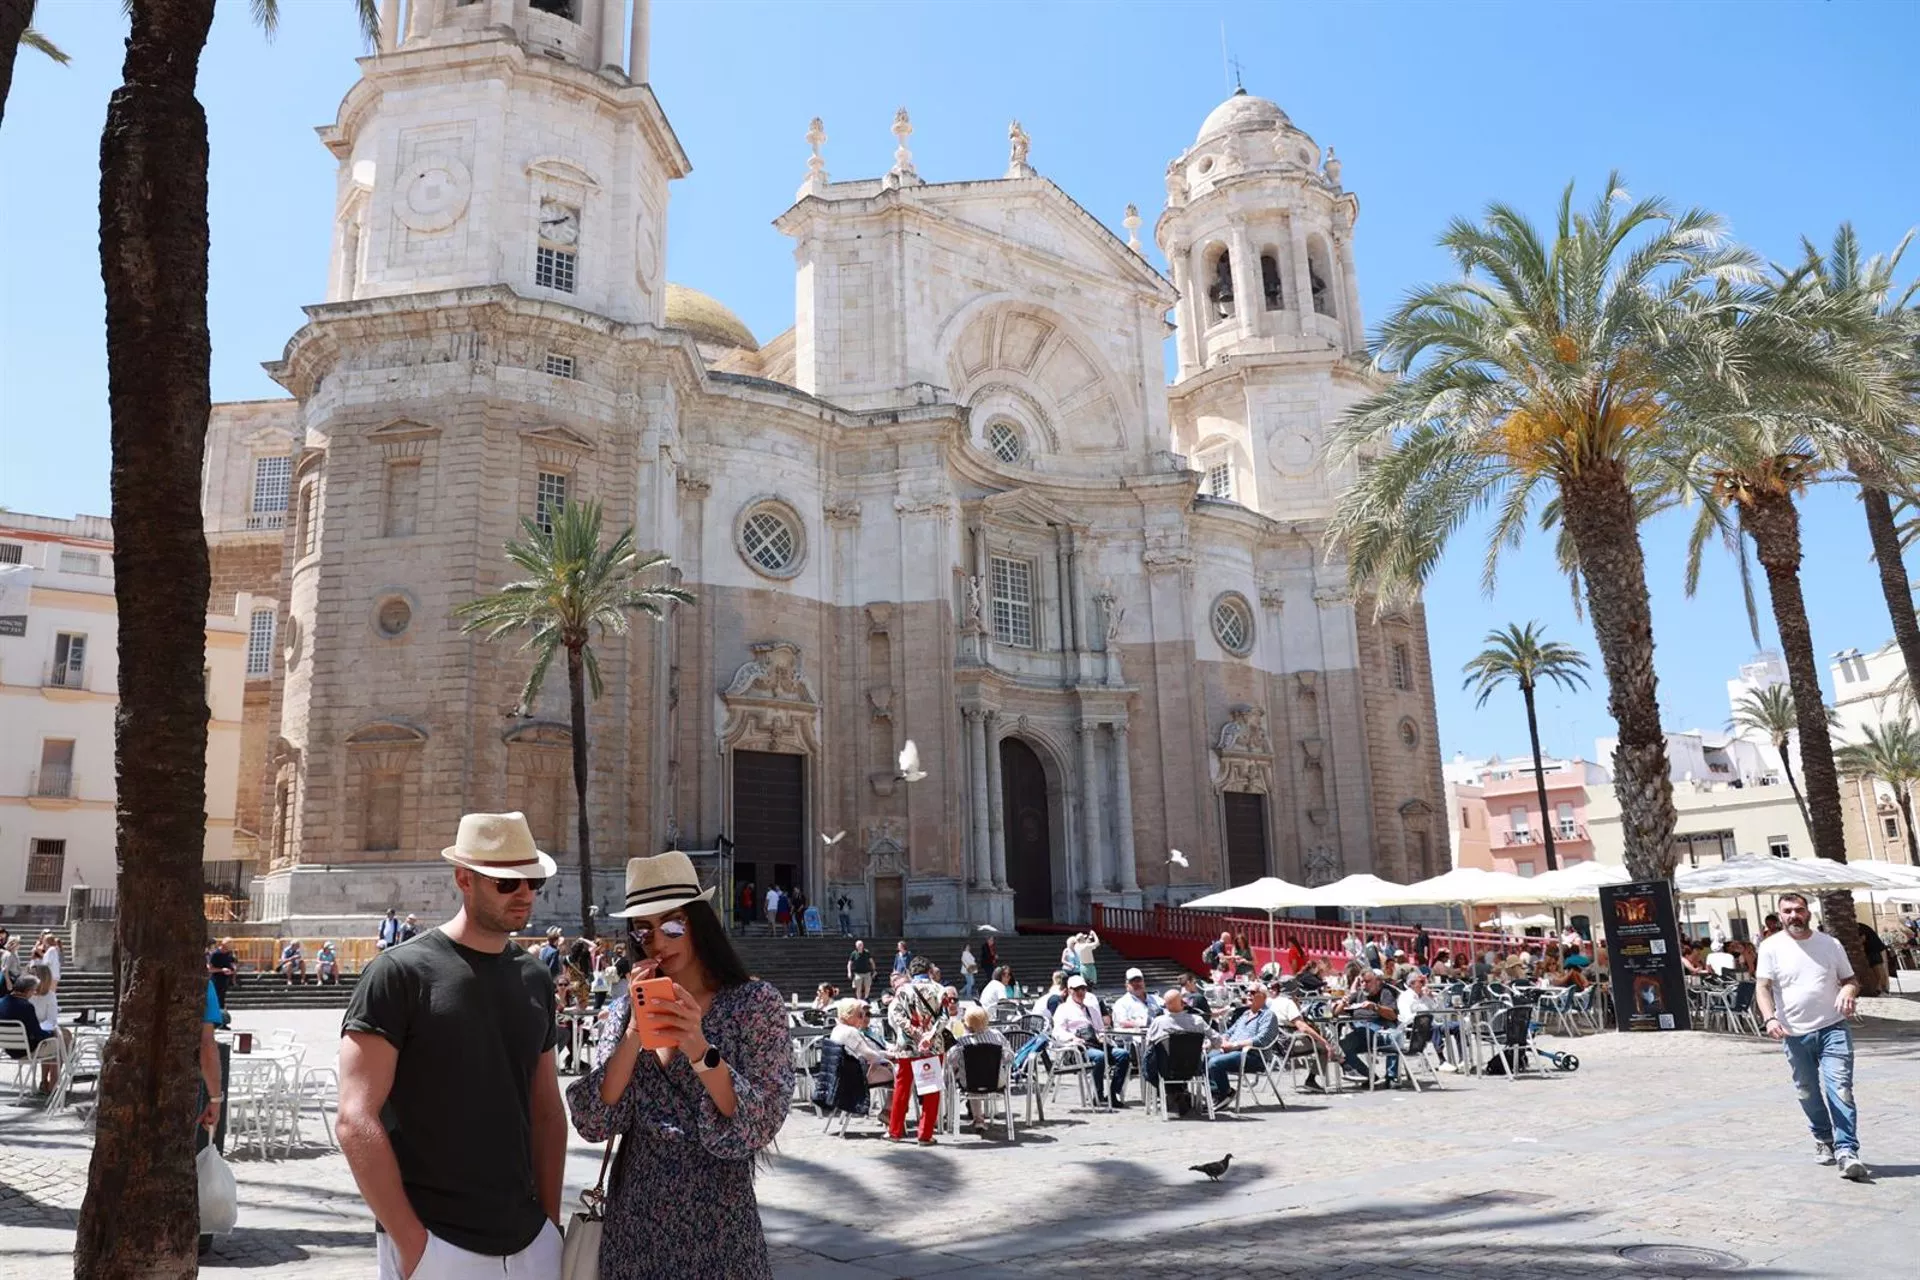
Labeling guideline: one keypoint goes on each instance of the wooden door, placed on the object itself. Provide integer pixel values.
(1026, 822)
(889, 916)
(770, 816)
(1246, 822)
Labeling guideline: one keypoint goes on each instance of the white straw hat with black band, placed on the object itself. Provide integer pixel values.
(498, 845)
(661, 883)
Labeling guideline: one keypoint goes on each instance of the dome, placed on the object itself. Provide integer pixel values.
(707, 319)
(1241, 111)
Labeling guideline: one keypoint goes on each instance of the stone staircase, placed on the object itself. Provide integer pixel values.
(255, 991)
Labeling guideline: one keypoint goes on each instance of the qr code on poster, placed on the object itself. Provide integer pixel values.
(1658, 946)
(1666, 1022)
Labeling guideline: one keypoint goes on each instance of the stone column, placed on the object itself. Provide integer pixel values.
(1248, 307)
(996, 806)
(611, 12)
(1349, 290)
(420, 15)
(389, 25)
(1123, 811)
(1094, 852)
(977, 772)
(504, 13)
(1186, 317)
(637, 42)
(1302, 279)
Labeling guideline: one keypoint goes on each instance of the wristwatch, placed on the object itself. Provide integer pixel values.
(710, 1060)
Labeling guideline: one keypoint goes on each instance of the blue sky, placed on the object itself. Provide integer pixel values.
(1786, 117)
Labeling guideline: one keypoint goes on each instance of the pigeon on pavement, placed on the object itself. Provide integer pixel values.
(1214, 1170)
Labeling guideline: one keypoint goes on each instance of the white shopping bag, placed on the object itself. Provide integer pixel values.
(219, 1197)
(927, 1076)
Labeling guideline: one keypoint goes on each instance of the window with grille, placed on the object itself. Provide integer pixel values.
(69, 661)
(46, 866)
(9, 553)
(271, 480)
(1219, 480)
(55, 777)
(1891, 826)
(1233, 624)
(1778, 847)
(260, 643)
(398, 520)
(79, 562)
(558, 365)
(553, 268)
(1563, 820)
(1003, 439)
(1013, 602)
(1402, 667)
(549, 495)
(769, 540)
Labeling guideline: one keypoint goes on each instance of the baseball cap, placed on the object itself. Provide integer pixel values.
(1134, 973)
(1076, 981)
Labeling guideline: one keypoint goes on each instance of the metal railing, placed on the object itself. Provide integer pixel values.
(64, 675)
(55, 783)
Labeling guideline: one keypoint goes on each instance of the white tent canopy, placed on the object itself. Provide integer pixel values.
(1359, 890)
(1462, 886)
(1890, 877)
(1577, 882)
(1540, 921)
(1757, 873)
(1268, 893)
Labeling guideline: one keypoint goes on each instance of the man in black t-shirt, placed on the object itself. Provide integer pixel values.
(860, 969)
(450, 1111)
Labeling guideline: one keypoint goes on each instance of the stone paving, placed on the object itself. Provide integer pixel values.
(1684, 1142)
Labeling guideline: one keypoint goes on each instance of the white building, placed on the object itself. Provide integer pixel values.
(59, 690)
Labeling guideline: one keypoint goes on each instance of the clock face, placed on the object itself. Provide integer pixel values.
(435, 194)
(559, 224)
(1294, 451)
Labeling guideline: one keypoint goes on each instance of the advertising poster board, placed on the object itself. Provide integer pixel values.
(1643, 955)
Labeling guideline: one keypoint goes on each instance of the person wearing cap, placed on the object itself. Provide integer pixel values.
(1136, 1006)
(450, 1114)
(1078, 1021)
(691, 1115)
(917, 1015)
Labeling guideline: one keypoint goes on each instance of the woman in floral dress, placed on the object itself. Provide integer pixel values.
(692, 1117)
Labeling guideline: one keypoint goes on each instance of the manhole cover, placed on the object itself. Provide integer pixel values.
(1681, 1259)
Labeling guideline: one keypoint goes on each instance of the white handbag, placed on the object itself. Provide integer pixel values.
(580, 1254)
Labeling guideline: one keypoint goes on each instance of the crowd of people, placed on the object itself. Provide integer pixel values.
(29, 994)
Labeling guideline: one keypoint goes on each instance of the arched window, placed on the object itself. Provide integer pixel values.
(1270, 280)
(1320, 277)
(1004, 441)
(1220, 287)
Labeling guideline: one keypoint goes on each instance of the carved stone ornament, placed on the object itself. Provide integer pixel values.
(1311, 748)
(880, 701)
(1272, 598)
(1245, 732)
(879, 618)
(1322, 865)
(1167, 549)
(1243, 760)
(695, 483)
(843, 511)
(1331, 595)
(1306, 683)
(886, 855)
(770, 704)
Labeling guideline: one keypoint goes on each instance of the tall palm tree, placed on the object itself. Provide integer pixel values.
(16, 32)
(1770, 711)
(138, 1218)
(576, 591)
(1521, 655)
(1890, 753)
(1547, 371)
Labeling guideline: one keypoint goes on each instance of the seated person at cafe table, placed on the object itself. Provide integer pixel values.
(852, 1018)
(1371, 1009)
(1137, 1006)
(1078, 1022)
(1291, 1019)
(1174, 1016)
(1253, 1031)
(1197, 1001)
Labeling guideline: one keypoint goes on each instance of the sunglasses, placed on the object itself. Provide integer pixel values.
(667, 928)
(505, 885)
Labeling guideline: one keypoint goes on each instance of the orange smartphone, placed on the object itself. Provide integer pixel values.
(653, 991)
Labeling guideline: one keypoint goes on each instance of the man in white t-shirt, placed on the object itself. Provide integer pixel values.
(1805, 989)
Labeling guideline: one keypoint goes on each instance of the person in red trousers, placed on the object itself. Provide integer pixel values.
(915, 1017)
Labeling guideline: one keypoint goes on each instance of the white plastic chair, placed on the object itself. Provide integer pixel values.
(13, 1039)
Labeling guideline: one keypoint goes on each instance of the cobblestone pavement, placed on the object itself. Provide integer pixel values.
(1689, 1141)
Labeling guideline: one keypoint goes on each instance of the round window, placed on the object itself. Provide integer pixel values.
(1003, 440)
(770, 539)
(394, 616)
(291, 634)
(1233, 623)
(1206, 165)
(1409, 734)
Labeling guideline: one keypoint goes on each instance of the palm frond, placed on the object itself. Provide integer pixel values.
(31, 39)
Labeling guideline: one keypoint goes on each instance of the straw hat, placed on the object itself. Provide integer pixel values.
(658, 884)
(499, 845)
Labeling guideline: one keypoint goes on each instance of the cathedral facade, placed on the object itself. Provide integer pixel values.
(957, 502)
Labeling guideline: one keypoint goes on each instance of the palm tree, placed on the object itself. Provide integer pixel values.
(1891, 753)
(1520, 654)
(1547, 370)
(576, 591)
(1770, 712)
(16, 31)
(138, 1218)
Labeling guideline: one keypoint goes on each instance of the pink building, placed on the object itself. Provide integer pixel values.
(1496, 818)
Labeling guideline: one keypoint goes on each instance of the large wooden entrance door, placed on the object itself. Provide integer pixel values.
(889, 916)
(1023, 809)
(770, 817)
(1246, 822)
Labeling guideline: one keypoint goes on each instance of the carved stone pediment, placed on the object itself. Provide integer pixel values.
(1243, 760)
(539, 733)
(772, 676)
(1322, 865)
(386, 733)
(770, 704)
(1245, 732)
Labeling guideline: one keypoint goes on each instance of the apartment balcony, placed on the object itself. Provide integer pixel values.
(66, 677)
(259, 521)
(53, 788)
(1565, 833)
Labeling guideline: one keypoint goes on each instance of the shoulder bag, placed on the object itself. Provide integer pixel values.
(580, 1254)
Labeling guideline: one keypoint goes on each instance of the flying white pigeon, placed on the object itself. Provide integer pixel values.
(831, 840)
(1177, 858)
(910, 770)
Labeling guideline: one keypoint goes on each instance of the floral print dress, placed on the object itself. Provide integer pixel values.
(681, 1204)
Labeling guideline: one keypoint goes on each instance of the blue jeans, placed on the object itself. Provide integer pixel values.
(1222, 1067)
(1116, 1060)
(846, 925)
(1822, 1064)
(966, 990)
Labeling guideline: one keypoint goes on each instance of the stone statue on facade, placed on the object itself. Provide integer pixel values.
(1017, 145)
(975, 590)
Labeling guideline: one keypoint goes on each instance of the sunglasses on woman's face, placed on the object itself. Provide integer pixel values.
(508, 884)
(667, 928)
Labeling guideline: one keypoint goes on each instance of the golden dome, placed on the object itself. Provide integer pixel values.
(707, 319)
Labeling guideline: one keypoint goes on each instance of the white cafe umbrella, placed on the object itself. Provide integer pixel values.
(1463, 887)
(1577, 882)
(1268, 894)
(1539, 920)
(1891, 877)
(1358, 890)
(1754, 873)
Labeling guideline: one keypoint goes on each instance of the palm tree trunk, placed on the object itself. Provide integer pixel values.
(1599, 511)
(1906, 816)
(577, 695)
(15, 17)
(1539, 772)
(1773, 522)
(1893, 582)
(1786, 767)
(140, 1215)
